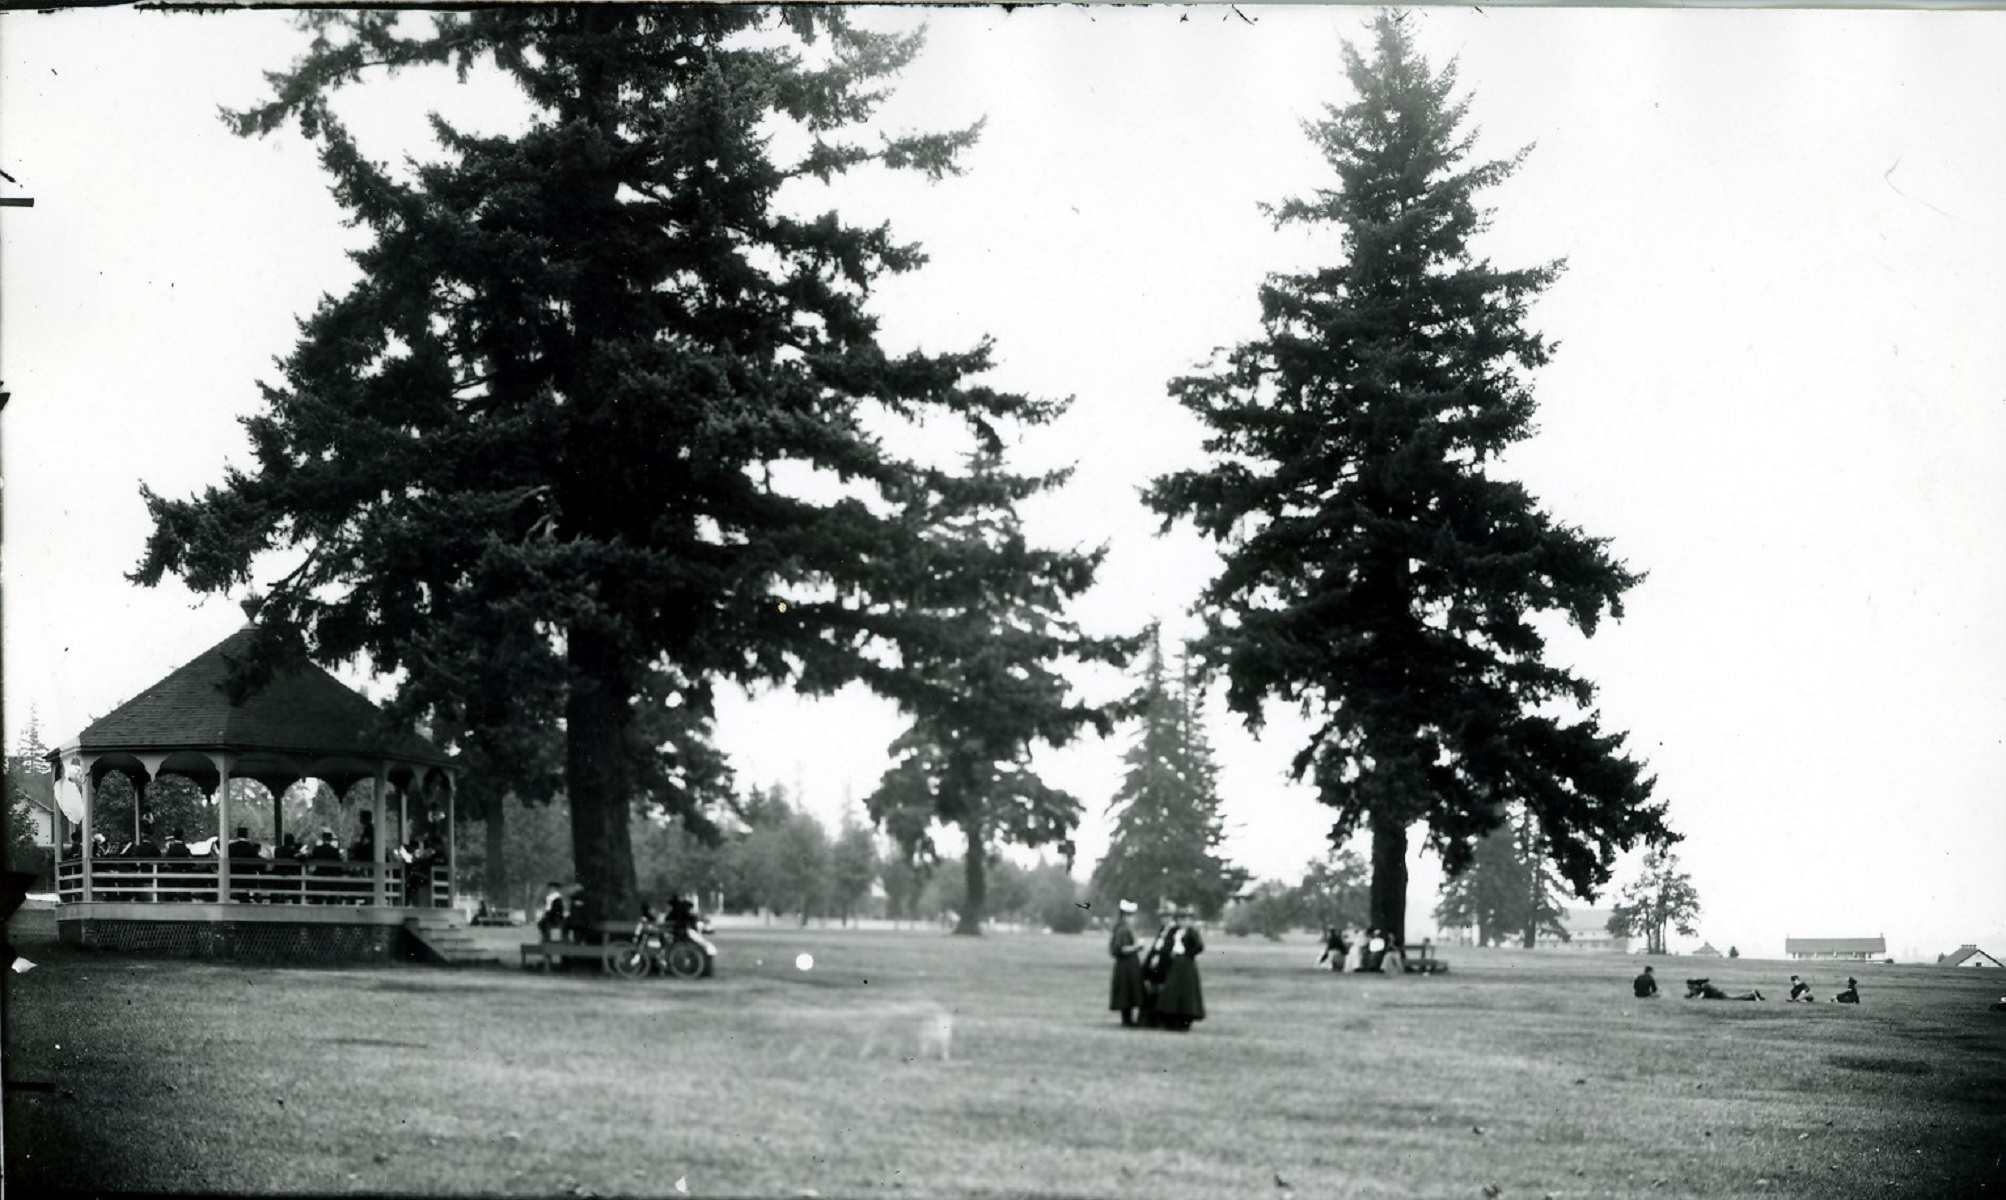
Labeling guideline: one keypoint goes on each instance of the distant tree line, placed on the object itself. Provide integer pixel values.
(774, 858)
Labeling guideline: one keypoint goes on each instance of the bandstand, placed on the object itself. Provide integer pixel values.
(304, 725)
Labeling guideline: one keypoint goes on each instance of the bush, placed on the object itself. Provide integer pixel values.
(1270, 911)
(1065, 918)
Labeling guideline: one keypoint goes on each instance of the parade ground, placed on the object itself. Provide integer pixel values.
(912, 1063)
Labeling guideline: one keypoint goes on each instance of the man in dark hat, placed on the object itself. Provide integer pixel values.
(1852, 993)
(1645, 985)
(1125, 994)
(244, 860)
(326, 851)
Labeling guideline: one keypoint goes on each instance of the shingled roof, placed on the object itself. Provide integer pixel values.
(303, 710)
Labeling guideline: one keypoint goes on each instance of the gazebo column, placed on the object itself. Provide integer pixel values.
(141, 806)
(452, 840)
(376, 786)
(81, 769)
(222, 828)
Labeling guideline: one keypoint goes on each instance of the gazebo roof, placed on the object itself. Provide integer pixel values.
(302, 711)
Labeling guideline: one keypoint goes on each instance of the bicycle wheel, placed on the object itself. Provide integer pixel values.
(685, 960)
(628, 960)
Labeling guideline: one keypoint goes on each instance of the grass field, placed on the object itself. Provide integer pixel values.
(1519, 1074)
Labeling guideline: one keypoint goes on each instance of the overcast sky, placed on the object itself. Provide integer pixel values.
(1780, 390)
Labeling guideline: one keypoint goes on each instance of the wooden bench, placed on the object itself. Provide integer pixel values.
(550, 954)
(1421, 960)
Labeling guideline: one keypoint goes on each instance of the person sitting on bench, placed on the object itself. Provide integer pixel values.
(550, 926)
(1705, 990)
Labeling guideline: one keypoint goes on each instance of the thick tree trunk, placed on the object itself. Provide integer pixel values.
(597, 715)
(1389, 878)
(969, 923)
(497, 883)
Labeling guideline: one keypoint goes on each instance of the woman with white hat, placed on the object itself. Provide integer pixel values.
(1126, 995)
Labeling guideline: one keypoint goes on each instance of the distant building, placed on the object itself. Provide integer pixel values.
(1587, 929)
(41, 814)
(1968, 955)
(1857, 949)
(1706, 950)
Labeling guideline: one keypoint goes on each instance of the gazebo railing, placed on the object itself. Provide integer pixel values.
(252, 881)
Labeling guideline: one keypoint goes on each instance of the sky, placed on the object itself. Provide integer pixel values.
(1780, 388)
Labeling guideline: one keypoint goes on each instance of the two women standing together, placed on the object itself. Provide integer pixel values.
(1157, 986)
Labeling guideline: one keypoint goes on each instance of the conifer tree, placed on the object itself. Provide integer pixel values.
(983, 631)
(527, 459)
(1508, 890)
(1167, 827)
(1377, 573)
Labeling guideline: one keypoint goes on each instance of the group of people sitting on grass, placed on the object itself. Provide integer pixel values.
(1645, 986)
(1360, 950)
(1156, 986)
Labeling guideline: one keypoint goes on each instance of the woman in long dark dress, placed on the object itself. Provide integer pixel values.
(1181, 1000)
(1125, 996)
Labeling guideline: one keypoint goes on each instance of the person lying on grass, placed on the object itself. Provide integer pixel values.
(1707, 991)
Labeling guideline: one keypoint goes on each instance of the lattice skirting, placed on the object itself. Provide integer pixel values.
(255, 941)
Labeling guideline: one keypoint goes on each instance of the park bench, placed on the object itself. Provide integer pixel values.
(1421, 960)
(551, 954)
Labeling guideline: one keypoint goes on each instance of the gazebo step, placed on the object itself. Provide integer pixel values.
(448, 942)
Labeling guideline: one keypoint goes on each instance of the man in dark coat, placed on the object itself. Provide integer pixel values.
(1852, 993)
(1181, 1001)
(244, 860)
(1125, 996)
(1646, 985)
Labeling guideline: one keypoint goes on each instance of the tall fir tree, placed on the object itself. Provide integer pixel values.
(1377, 574)
(984, 631)
(526, 460)
(1508, 890)
(1167, 827)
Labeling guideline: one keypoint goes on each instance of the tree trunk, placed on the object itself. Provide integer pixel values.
(496, 885)
(597, 714)
(970, 922)
(1389, 878)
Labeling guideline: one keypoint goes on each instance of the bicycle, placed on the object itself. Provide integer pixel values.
(657, 949)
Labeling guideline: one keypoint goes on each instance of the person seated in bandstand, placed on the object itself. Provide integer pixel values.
(246, 858)
(326, 852)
